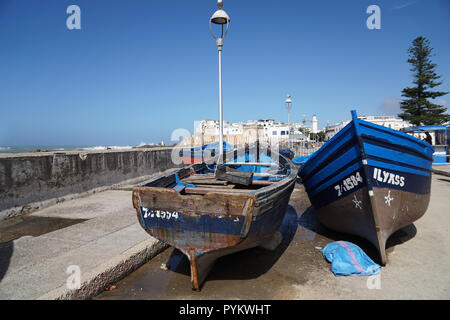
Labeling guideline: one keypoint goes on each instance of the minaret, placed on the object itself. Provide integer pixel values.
(314, 124)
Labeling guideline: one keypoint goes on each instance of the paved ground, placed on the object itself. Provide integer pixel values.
(99, 234)
(442, 169)
(418, 267)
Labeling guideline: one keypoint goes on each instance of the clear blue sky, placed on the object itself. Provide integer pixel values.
(139, 69)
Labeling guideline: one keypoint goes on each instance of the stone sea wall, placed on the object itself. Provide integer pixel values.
(35, 180)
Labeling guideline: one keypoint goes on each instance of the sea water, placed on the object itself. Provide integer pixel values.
(24, 149)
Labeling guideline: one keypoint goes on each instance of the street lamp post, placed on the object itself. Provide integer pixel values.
(221, 18)
(288, 102)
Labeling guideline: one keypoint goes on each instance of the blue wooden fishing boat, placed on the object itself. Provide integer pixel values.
(202, 153)
(287, 152)
(369, 181)
(208, 210)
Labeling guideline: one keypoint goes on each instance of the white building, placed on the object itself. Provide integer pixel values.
(266, 130)
(331, 130)
(386, 121)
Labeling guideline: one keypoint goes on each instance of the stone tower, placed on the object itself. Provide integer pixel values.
(314, 124)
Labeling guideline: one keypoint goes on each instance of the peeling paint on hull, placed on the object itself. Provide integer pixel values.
(207, 227)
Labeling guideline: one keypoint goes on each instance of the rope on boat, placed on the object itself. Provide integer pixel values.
(210, 168)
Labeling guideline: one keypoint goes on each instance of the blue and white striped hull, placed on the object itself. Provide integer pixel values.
(369, 181)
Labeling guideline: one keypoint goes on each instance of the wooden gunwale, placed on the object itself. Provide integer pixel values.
(262, 194)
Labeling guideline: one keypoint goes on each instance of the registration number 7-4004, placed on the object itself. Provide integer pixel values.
(161, 214)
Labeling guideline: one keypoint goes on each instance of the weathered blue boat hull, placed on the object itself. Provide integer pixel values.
(208, 223)
(369, 180)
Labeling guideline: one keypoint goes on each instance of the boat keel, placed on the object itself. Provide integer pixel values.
(201, 265)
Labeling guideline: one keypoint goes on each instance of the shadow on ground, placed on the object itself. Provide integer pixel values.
(14, 228)
(239, 275)
(6, 251)
(309, 221)
(246, 264)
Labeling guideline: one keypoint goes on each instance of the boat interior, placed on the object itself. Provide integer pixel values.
(235, 176)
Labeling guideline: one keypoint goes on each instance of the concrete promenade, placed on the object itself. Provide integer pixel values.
(442, 170)
(104, 240)
(100, 235)
(417, 268)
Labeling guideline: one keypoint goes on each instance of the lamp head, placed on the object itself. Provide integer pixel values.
(288, 100)
(220, 17)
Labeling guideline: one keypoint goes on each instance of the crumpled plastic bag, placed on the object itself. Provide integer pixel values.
(348, 259)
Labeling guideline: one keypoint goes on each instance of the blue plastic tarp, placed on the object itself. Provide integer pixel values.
(348, 259)
(179, 183)
(300, 160)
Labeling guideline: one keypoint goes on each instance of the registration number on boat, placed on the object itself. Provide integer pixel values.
(161, 214)
(349, 183)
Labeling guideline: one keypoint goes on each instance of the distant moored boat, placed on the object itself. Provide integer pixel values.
(203, 153)
(369, 181)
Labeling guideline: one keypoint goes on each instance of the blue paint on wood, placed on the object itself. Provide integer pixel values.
(404, 162)
(183, 222)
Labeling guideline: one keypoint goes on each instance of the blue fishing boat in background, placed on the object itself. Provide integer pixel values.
(211, 209)
(438, 137)
(287, 152)
(203, 153)
(369, 181)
